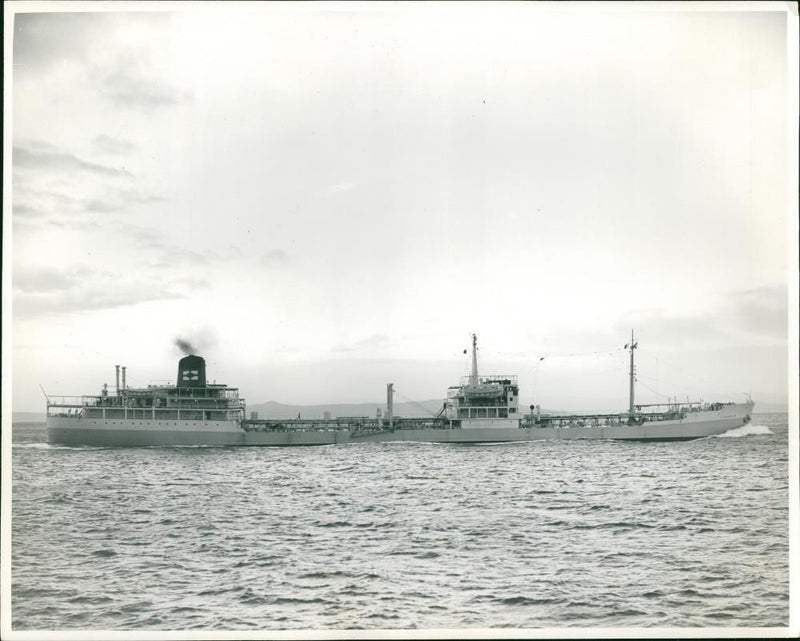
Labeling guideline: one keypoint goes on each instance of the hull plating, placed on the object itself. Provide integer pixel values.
(72, 431)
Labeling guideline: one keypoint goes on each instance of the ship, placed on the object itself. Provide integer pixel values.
(480, 409)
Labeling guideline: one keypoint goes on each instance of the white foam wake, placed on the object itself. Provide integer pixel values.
(746, 430)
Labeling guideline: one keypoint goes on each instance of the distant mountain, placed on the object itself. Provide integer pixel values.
(272, 409)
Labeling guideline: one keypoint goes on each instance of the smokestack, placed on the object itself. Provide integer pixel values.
(117, 366)
(192, 372)
(124, 384)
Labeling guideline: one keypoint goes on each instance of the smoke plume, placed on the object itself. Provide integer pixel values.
(185, 346)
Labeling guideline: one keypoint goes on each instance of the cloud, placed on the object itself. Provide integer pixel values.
(342, 187)
(89, 300)
(188, 283)
(47, 290)
(126, 89)
(140, 198)
(116, 146)
(45, 279)
(26, 211)
(745, 316)
(376, 342)
(51, 205)
(34, 210)
(53, 185)
(84, 42)
(170, 256)
(95, 206)
(274, 258)
(44, 157)
(45, 40)
(131, 80)
(42, 40)
(762, 311)
(167, 255)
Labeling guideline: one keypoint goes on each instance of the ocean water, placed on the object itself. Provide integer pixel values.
(403, 535)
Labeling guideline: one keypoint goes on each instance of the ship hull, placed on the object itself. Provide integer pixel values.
(141, 433)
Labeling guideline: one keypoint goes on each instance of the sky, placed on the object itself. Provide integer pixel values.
(324, 198)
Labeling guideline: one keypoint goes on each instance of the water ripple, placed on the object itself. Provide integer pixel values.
(403, 535)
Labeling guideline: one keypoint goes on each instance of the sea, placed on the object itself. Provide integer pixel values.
(403, 536)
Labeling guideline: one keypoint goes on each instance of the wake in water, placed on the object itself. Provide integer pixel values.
(745, 430)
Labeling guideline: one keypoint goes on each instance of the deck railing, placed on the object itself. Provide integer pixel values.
(116, 407)
(509, 379)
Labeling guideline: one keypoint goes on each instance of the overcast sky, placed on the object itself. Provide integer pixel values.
(326, 198)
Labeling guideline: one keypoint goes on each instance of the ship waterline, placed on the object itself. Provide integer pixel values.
(482, 409)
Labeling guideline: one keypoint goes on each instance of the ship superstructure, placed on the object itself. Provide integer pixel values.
(157, 412)
(483, 401)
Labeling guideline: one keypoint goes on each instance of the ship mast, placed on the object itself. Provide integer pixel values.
(632, 346)
(473, 376)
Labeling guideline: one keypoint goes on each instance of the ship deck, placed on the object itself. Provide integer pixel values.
(354, 424)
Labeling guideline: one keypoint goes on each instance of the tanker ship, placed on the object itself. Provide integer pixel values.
(481, 409)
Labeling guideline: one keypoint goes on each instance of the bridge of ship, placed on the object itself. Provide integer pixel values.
(487, 397)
